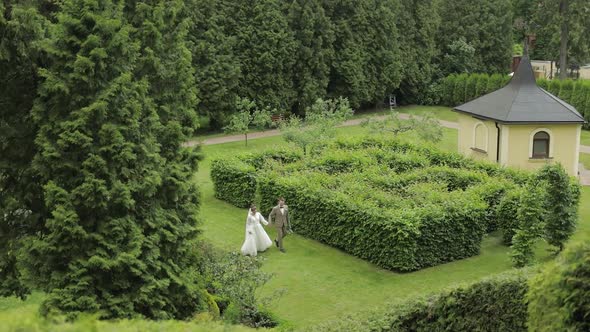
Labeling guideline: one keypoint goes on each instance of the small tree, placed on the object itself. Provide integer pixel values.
(563, 196)
(319, 124)
(248, 116)
(530, 224)
(427, 126)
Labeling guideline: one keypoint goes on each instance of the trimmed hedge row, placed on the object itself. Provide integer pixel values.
(234, 181)
(402, 240)
(574, 92)
(457, 89)
(496, 304)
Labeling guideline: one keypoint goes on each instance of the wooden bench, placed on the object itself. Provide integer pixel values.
(275, 118)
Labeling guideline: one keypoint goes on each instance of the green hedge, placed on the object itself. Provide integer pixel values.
(559, 297)
(234, 181)
(402, 240)
(495, 304)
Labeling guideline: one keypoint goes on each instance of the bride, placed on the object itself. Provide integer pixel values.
(256, 237)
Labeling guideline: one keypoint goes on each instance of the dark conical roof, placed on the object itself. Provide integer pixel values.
(522, 101)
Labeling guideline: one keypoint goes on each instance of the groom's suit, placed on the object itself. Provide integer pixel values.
(280, 219)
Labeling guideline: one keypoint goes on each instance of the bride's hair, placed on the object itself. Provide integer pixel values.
(253, 206)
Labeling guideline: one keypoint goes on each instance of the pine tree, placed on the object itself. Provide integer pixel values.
(21, 203)
(111, 243)
(314, 36)
(213, 52)
(265, 50)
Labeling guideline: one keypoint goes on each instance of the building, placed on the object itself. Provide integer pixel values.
(521, 125)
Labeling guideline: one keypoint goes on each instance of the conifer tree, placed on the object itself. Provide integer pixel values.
(418, 22)
(21, 204)
(212, 46)
(314, 36)
(112, 243)
(265, 50)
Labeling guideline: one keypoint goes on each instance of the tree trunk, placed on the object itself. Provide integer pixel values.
(563, 9)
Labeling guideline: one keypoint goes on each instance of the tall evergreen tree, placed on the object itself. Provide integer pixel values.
(418, 22)
(265, 50)
(111, 243)
(485, 25)
(21, 203)
(366, 60)
(314, 36)
(213, 51)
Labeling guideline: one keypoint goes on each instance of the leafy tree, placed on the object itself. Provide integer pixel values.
(561, 27)
(246, 117)
(530, 224)
(426, 126)
(22, 28)
(215, 59)
(458, 58)
(265, 49)
(314, 36)
(110, 243)
(319, 124)
(562, 199)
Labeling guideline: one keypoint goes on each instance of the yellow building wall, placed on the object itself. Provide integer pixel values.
(564, 146)
(516, 143)
(472, 144)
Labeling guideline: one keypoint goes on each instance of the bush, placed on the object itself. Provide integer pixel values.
(495, 304)
(471, 87)
(234, 181)
(565, 91)
(506, 213)
(459, 89)
(403, 240)
(481, 86)
(554, 87)
(559, 297)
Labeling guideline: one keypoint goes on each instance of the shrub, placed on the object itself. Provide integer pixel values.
(481, 86)
(561, 204)
(530, 224)
(496, 304)
(471, 87)
(565, 91)
(459, 89)
(506, 213)
(234, 181)
(543, 83)
(492, 192)
(496, 82)
(448, 89)
(559, 297)
(554, 87)
(403, 240)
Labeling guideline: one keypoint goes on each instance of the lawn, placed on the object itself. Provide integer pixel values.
(321, 283)
(585, 137)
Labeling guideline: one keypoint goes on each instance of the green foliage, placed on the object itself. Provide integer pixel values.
(559, 296)
(493, 304)
(554, 87)
(319, 125)
(234, 181)
(470, 87)
(233, 281)
(314, 38)
(459, 90)
(214, 58)
(562, 199)
(248, 115)
(507, 212)
(418, 21)
(265, 48)
(118, 231)
(22, 29)
(485, 26)
(530, 224)
(427, 126)
(566, 89)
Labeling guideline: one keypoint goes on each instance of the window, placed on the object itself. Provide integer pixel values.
(541, 145)
(480, 137)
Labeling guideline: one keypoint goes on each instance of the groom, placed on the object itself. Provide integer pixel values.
(279, 217)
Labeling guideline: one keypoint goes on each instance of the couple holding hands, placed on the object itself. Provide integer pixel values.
(256, 237)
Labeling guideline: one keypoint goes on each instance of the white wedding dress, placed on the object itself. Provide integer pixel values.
(256, 238)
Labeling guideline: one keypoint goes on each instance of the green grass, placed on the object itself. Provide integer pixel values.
(585, 137)
(441, 112)
(585, 160)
